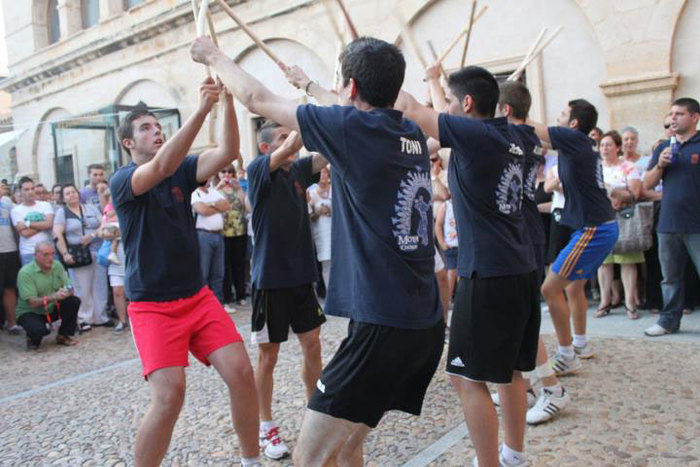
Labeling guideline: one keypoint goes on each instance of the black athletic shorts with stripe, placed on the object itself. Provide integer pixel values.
(276, 310)
(495, 327)
(376, 369)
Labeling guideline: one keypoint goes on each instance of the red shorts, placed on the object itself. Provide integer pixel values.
(165, 331)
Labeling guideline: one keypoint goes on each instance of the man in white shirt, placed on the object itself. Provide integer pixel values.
(32, 219)
(209, 205)
(9, 264)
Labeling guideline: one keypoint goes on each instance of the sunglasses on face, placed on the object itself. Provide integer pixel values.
(433, 160)
(227, 171)
(667, 126)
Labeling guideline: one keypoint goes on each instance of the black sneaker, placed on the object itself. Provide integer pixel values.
(84, 327)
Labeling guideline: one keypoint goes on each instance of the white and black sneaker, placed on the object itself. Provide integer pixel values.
(564, 366)
(547, 406)
(531, 398)
(585, 351)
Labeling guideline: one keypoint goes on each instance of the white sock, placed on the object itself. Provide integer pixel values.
(544, 371)
(567, 351)
(556, 390)
(511, 456)
(580, 340)
(266, 426)
(250, 461)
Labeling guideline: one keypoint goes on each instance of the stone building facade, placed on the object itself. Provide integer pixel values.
(82, 63)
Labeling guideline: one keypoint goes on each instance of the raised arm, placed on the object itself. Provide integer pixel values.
(300, 80)
(425, 117)
(228, 150)
(173, 152)
(249, 91)
(437, 93)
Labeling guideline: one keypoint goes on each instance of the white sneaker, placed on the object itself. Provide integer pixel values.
(563, 366)
(272, 445)
(531, 398)
(502, 462)
(230, 308)
(548, 405)
(585, 351)
(656, 331)
(241, 302)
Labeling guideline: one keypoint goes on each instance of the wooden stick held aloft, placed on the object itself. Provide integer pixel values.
(251, 34)
(538, 50)
(459, 36)
(469, 33)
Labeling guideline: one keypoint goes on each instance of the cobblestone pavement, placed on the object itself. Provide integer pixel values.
(636, 404)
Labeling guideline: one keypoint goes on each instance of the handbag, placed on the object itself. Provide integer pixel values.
(636, 224)
(82, 256)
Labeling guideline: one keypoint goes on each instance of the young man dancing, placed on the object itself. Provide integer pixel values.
(514, 104)
(588, 211)
(382, 274)
(496, 315)
(284, 267)
(171, 311)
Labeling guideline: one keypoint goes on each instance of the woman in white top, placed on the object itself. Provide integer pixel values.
(446, 234)
(320, 210)
(623, 183)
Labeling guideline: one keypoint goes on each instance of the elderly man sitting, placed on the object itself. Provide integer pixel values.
(46, 295)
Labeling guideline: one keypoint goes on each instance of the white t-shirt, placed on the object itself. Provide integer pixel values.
(619, 175)
(7, 233)
(35, 213)
(214, 221)
(558, 199)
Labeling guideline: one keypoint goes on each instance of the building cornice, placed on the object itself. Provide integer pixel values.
(640, 84)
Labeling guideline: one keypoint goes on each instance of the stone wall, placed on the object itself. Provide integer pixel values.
(629, 57)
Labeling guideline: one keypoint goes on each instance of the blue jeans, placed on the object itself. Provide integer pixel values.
(211, 257)
(674, 250)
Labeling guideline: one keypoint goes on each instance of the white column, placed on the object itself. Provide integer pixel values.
(69, 17)
(109, 8)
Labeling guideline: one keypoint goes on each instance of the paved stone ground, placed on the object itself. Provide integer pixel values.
(635, 404)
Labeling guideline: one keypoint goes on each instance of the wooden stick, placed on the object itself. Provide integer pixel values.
(435, 57)
(353, 31)
(469, 33)
(518, 71)
(408, 37)
(334, 25)
(195, 12)
(213, 113)
(516, 74)
(251, 34)
(212, 30)
(202, 17)
(459, 36)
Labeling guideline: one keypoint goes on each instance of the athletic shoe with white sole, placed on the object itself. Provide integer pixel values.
(502, 462)
(531, 398)
(272, 445)
(585, 351)
(563, 366)
(656, 331)
(548, 405)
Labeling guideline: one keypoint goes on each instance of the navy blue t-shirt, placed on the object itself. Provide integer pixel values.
(160, 241)
(283, 255)
(581, 174)
(680, 204)
(486, 181)
(382, 250)
(534, 160)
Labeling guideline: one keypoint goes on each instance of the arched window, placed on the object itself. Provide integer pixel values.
(52, 22)
(90, 10)
(131, 3)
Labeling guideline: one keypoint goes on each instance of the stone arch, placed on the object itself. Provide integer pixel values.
(683, 56)
(560, 77)
(151, 92)
(42, 147)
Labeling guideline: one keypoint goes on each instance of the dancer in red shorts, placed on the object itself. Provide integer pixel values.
(172, 311)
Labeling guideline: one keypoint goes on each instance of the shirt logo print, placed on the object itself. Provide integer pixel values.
(177, 194)
(694, 158)
(509, 193)
(413, 219)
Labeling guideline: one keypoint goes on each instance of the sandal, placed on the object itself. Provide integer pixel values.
(603, 311)
(66, 340)
(632, 314)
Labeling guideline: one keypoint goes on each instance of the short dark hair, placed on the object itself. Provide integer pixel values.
(617, 139)
(24, 180)
(584, 113)
(266, 132)
(98, 166)
(377, 67)
(126, 130)
(63, 188)
(517, 96)
(689, 103)
(478, 83)
(57, 185)
(598, 130)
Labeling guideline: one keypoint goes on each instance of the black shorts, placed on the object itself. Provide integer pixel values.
(275, 310)
(495, 327)
(559, 236)
(9, 268)
(376, 369)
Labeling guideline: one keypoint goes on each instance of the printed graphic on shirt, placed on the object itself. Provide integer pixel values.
(34, 216)
(531, 182)
(509, 194)
(599, 173)
(413, 211)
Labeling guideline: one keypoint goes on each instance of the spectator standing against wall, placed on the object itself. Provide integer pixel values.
(320, 209)
(9, 264)
(678, 165)
(46, 295)
(33, 220)
(89, 194)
